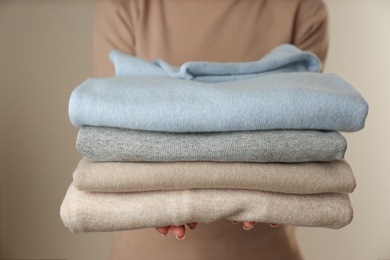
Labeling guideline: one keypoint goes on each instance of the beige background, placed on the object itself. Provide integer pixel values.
(45, 51)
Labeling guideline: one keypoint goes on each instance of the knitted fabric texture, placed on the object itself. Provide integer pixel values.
(297, 178)
(87, 212)
(284, 58)
(295, 100)
(117, 144)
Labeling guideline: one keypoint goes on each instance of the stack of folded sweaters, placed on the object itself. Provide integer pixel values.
(253, 141)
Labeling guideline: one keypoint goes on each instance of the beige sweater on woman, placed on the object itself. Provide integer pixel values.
(209, 30)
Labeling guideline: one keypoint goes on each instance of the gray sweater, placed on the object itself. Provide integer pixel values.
(116, 144)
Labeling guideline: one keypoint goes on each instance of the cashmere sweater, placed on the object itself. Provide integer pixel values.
(295, 178)
(284, 58)
(118, 144)
(300, 100)
(88, 212)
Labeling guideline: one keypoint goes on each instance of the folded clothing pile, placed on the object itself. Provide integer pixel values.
(254, 141)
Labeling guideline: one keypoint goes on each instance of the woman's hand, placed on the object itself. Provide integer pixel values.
(180, 231)
(250, 225)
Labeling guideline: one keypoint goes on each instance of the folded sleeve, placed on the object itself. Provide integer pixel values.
(113, 29)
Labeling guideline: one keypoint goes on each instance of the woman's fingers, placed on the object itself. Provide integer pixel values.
(248, 225)
(193, 225)
(163, 230)
(179, 231)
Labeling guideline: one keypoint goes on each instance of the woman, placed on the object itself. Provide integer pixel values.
(178, 31)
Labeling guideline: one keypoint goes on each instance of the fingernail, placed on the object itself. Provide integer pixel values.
(274, 225)
(235, 222)
(164, 235)
(193, 226)
(249, 228)
(180, 238)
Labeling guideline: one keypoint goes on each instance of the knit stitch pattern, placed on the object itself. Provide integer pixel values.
(295, 178)
(88, 212)
(296, 100)
(284, 58)
(117, 144)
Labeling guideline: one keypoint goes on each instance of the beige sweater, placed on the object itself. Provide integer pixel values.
(87, 212)
(294, 178)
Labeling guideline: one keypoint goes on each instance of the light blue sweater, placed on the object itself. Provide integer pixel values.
(294, 100)
(284, 58)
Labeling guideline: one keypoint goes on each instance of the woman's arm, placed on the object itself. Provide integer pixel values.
(311, 28)
(113, 29)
